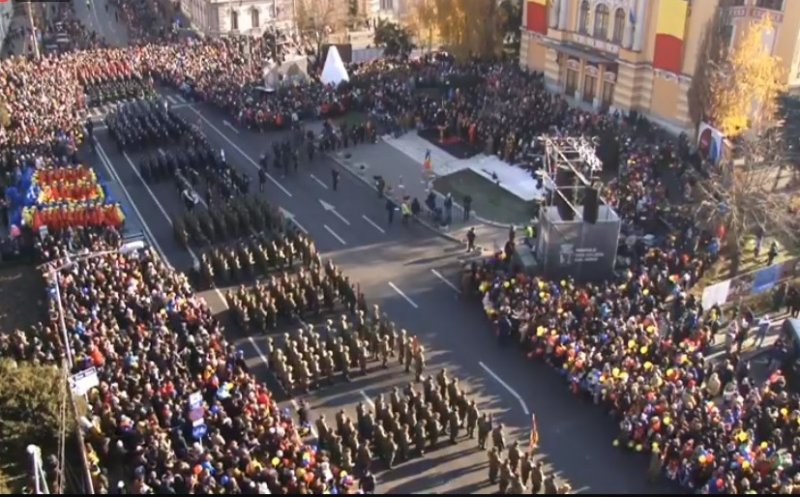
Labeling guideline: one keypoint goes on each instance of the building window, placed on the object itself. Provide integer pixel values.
(589, 83)
(770, 4)
(732, 3)
(601, 22)
(387, 4)
(608, 95)
(234, 21)
(619, 26)
(254, 20)
(583, 20)
(571, 84)
(726, 35)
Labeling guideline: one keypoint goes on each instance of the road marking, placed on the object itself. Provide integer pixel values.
(107, 164)
(400, 292)
(230, 126)
(258, 350)
(445, 280)
(242, 152)
(366, 397)
(293, 218)
(195, 260)
(330, 208)
(507, 387)
(319, 181)
(172, 99)
(373, 223)
(180, 99)
(100, 127)
(335, 235)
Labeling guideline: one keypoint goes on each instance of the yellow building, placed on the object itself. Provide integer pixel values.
(641, 54)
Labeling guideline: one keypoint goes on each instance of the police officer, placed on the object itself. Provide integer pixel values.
(390, 208)
(323, 432)
(484, 428)
(550, 487)
(526, 466)
(262, 179)
(505, 476)
(471, 239)
(514, 455)
(334, 179)
(391, 453)
(364, 457)
(383, 348)
(409, 355)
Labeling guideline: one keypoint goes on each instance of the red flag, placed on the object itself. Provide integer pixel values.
(534, 432)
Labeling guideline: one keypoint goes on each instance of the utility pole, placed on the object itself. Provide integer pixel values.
(34, 40)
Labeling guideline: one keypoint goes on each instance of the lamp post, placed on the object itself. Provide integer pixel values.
(34, 40)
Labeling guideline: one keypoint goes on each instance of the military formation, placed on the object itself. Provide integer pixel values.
(317, 356)
(400, 426)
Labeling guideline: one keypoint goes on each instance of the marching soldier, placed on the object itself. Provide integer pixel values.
(401, 345)
(434, 430)
(537, 478)
(391, 452)
(550, 487)
(395, 401)
(442, 381)
(341, 418)
(420, 432)
(404, 443)
(347, 460)
(409, 355)
(428, 388)
(455, 426)
(323, 432)
(336, 450)
(525, 468)
(505, 476)
(517, 488)
(472, 418)
(514, 455)
(383, 347)
(327, 366)
(494, 465)
(364, 458)
(363, 355)
(498, 437)
(484, 428)
(346, 363)
(419, 363)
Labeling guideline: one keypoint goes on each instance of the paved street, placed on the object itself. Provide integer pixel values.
(413, 273)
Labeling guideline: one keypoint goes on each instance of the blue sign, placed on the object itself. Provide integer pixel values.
(199, 431)
(766, 278)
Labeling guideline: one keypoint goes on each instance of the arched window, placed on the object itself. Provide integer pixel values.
(583, 20)
(619, 26)
(254, 20)
(234, 21)
(601, 22)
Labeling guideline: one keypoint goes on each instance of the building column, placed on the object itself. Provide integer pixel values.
(638, 37)
(627, 36)
(552, 13)
(579, 87)
(563, 13)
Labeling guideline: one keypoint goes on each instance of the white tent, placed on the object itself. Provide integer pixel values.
(334, 72)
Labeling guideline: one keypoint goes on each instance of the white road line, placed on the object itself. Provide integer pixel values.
(293, 218)
(242, 152)
(507, 387)
(230, 126)
(335, 235)
(366, 397)
(180, 99)
(172, 99)
(100, 127)
(400, 292)
(373, 223)
(107, 163)
(158, 204)
(445, 280)
(258, 350)
(319, 181)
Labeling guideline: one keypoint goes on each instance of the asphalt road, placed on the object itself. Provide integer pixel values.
(413, 274)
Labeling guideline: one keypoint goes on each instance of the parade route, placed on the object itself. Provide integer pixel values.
(414, 274)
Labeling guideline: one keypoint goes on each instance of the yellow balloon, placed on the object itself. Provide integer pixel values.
(343, 474)
(746, 465)
(648, 366)
(646, 292)
(764, 445)
(667, 420)
(615, 372)
(643, 350)
(631, 344)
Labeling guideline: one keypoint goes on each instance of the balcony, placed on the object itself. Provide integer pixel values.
(596, 43)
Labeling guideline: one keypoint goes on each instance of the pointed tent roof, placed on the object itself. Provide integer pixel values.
(334, 71)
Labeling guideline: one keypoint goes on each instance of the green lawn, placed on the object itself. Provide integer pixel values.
(489, 201)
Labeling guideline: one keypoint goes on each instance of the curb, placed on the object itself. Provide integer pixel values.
(428, 225)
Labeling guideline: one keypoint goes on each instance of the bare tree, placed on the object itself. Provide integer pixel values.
(316, 19)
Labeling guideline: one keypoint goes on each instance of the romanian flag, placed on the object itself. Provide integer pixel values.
(534, 432)
(670, 31)
(537, 16)
(427, 163)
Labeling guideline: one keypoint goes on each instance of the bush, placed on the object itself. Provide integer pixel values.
(30, 406)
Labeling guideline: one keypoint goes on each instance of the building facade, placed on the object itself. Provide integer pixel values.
(250, 17)
(6, 13)
(641, 54)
